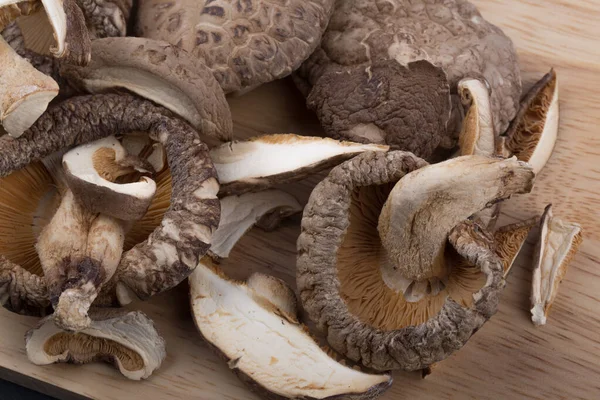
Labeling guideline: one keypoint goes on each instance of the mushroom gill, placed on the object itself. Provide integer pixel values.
(361, 283)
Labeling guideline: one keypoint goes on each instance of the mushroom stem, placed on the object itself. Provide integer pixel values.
(425, 205)
(20, 290)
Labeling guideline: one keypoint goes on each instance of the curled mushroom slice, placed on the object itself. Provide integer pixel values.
(350, 279)
(58, 28)
(128, 340)
(510, 240)
(532, 135)
(240, 213)
(159, 72)
(426, 204)
(245, 43)
(267, 160)
(270, 351)
(167, 256)
(24, 91)
(477, 136)
(557, 245)
(91, 171)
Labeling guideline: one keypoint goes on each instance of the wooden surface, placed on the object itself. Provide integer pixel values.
(508, 358)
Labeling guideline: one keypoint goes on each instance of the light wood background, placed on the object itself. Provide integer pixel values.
(509, 358)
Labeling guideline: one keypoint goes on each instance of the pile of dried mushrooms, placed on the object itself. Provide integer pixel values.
(121, 177)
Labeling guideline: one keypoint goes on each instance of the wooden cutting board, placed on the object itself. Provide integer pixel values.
(508, 358)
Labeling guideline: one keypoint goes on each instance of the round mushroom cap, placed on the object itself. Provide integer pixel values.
(451, 34)
(341, 284)
(245, 43)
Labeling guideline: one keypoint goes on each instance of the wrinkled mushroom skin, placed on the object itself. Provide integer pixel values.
(106, 18)
(385, 103)
(173, 249)
(325, 221)
(451, 34)
(21, 291)
(244, 42)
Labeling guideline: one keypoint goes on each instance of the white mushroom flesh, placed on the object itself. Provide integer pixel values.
(477, 136)
(45, 31)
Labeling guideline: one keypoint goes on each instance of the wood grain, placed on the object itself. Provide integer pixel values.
(509, 358)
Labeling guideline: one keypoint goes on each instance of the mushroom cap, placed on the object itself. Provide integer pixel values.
(270, 352)
(106, 18)
(386, 340)
(450, 34)
(244, 43)
(126, 339)
(160, 72)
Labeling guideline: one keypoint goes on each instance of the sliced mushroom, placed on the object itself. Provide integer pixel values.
(558, 243)
(126, 339)
(24, 91)
(261, 162)
(357, 84)
(245, 43)
(159, 72)
(270, 351)
(240, 213)
(478, 135)
(532, 135)
(172, 250)
(353, 283)
(510, 240)
(91, 171)
(58, 28)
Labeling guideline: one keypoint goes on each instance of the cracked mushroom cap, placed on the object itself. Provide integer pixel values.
(160, 72)
(50, 27)
(25, 92)
(172, 250)
(375, 271)
(452, 35)
(106, 18)
(245, 43)
(128, 340)
(271, 352)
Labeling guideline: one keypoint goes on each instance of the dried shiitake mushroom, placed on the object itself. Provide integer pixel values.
(532, 135)
(50, 27)
(245, 43)
(157, 262)
(106, 18)
(478, 134)
(267, 160)
(375, 270)
(382, 71)
(126, 339)
(557, 245)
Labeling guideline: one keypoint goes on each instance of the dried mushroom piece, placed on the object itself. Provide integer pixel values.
(167, 256)
(159, 72)
(405, 299)
(240, 213)
(244, 43)
(21, 291)
(267, 160)
(510, 240)
(106, 18)
(273, 354)
(24, 91)
(478, 135)
(532, 135)
(370, 42)
(50, 27)
(128, 340)
(558, 243)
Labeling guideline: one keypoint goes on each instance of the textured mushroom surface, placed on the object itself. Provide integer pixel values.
(254, 327)
(245, 43)
(478, 135)
(557, 245)
(533, 133)
(106, 18)
(126, 339)
(341, 261)
(173, 249)
(510, 240)
(159, 72)
(365, 36)
(264, 161)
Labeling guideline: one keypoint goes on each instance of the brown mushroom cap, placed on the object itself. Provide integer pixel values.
(106, 18)
(159, 72)
(172, 250)
(244, 43)
(341, 285)
(451, 35)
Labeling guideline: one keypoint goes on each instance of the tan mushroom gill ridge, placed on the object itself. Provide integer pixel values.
(362, 286)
